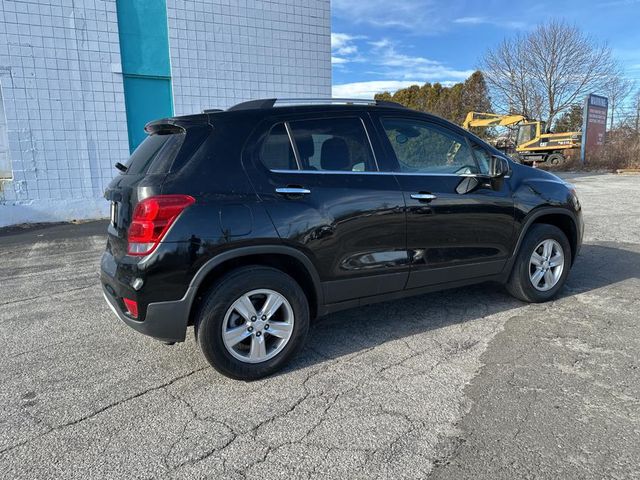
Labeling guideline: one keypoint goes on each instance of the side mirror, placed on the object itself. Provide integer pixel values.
(499, 167)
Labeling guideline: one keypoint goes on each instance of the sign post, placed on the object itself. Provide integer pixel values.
(594, 124)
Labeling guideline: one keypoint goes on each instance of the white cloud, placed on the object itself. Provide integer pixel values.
(369, 89)
(388, 66)
(419, 16)
(490, 21)
(471, 20)
(383, 43)
(389, 62)
(341, 40)
(343, 48)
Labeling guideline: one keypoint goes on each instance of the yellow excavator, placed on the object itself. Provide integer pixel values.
(532, 144)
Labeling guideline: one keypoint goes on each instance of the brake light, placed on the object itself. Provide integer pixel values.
(132, 307)
(152, 218)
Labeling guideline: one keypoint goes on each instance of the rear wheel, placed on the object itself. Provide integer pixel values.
(555, 159)
(252, 322)
(542, 265)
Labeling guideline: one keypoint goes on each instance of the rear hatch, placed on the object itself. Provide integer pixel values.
(166, 149)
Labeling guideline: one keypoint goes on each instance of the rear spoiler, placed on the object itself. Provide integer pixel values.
(166, 126)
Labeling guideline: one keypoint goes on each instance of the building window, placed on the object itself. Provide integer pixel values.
(5, 160)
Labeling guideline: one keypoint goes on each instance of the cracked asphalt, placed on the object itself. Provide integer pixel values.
(467, 383)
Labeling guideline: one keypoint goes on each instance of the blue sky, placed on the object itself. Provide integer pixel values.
(385, 45)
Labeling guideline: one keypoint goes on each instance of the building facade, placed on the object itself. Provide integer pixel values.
(80, 78)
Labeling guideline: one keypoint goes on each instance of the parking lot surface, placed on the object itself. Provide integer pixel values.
(467, 383)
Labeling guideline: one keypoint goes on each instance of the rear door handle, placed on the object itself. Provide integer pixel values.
(293, 191)
(423, 197)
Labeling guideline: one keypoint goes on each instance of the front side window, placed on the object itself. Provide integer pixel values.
(424, 148)
(484, 159)
(332, 144)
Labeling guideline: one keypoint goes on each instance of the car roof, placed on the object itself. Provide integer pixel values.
(259, 109)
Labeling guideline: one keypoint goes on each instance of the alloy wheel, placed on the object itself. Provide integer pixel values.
(257, 326)
(546, 265)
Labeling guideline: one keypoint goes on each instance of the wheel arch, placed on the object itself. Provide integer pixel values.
(286, 259)
(561, 218)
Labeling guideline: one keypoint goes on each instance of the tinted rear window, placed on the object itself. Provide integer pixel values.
(155, 154)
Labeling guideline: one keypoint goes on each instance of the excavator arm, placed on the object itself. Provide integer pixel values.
(480, 119)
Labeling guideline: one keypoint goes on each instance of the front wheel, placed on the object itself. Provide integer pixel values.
(542, 265)
(252, 322)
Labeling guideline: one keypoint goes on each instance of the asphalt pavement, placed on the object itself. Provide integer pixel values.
(467, 383)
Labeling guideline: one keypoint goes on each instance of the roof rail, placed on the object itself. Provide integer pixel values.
(290, 102)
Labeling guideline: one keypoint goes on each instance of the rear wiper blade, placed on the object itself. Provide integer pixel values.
(121, 167)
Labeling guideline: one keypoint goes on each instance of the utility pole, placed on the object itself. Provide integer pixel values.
(637, 105)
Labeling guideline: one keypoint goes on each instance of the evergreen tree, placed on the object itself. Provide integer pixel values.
(451, 103)
(570, 121)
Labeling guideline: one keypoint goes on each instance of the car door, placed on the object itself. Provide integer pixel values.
(318, 179)
(460, 221)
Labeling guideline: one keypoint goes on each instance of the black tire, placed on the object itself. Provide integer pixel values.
(218, 301)
(520, 284)
(555, 159)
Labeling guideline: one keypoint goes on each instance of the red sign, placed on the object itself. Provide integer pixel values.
(594, 124)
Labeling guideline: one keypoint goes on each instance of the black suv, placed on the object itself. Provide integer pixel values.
(248, 223)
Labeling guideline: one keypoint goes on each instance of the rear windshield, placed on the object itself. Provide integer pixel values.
(155, 154)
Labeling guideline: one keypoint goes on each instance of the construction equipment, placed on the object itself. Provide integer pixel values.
(532, 144)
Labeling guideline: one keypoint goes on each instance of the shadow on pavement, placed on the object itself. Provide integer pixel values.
(351, 331)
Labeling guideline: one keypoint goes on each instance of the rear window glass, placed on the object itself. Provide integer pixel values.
(155, 154)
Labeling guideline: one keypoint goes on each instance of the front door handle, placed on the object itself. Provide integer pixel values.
(423, 197)
(292, 191)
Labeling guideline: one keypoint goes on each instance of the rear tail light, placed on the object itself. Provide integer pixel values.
(132, 307)
(152, 218)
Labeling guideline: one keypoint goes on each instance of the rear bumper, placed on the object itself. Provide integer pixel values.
(166, 321)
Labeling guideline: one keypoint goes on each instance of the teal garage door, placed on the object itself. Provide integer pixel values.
(146, 99)
(144, 49)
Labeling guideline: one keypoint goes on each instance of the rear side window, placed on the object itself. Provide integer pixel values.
(155, 154)
(276, 153)
(333, 144)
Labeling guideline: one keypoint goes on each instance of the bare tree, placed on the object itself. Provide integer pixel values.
(506, 72)
(617, 89)
(544, 72)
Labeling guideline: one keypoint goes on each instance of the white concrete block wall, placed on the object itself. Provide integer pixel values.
(227, 51)
(64, 106)
(63, 93)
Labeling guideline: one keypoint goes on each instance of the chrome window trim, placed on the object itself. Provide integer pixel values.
(293, 145)
(333, 172)
(373, 152)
